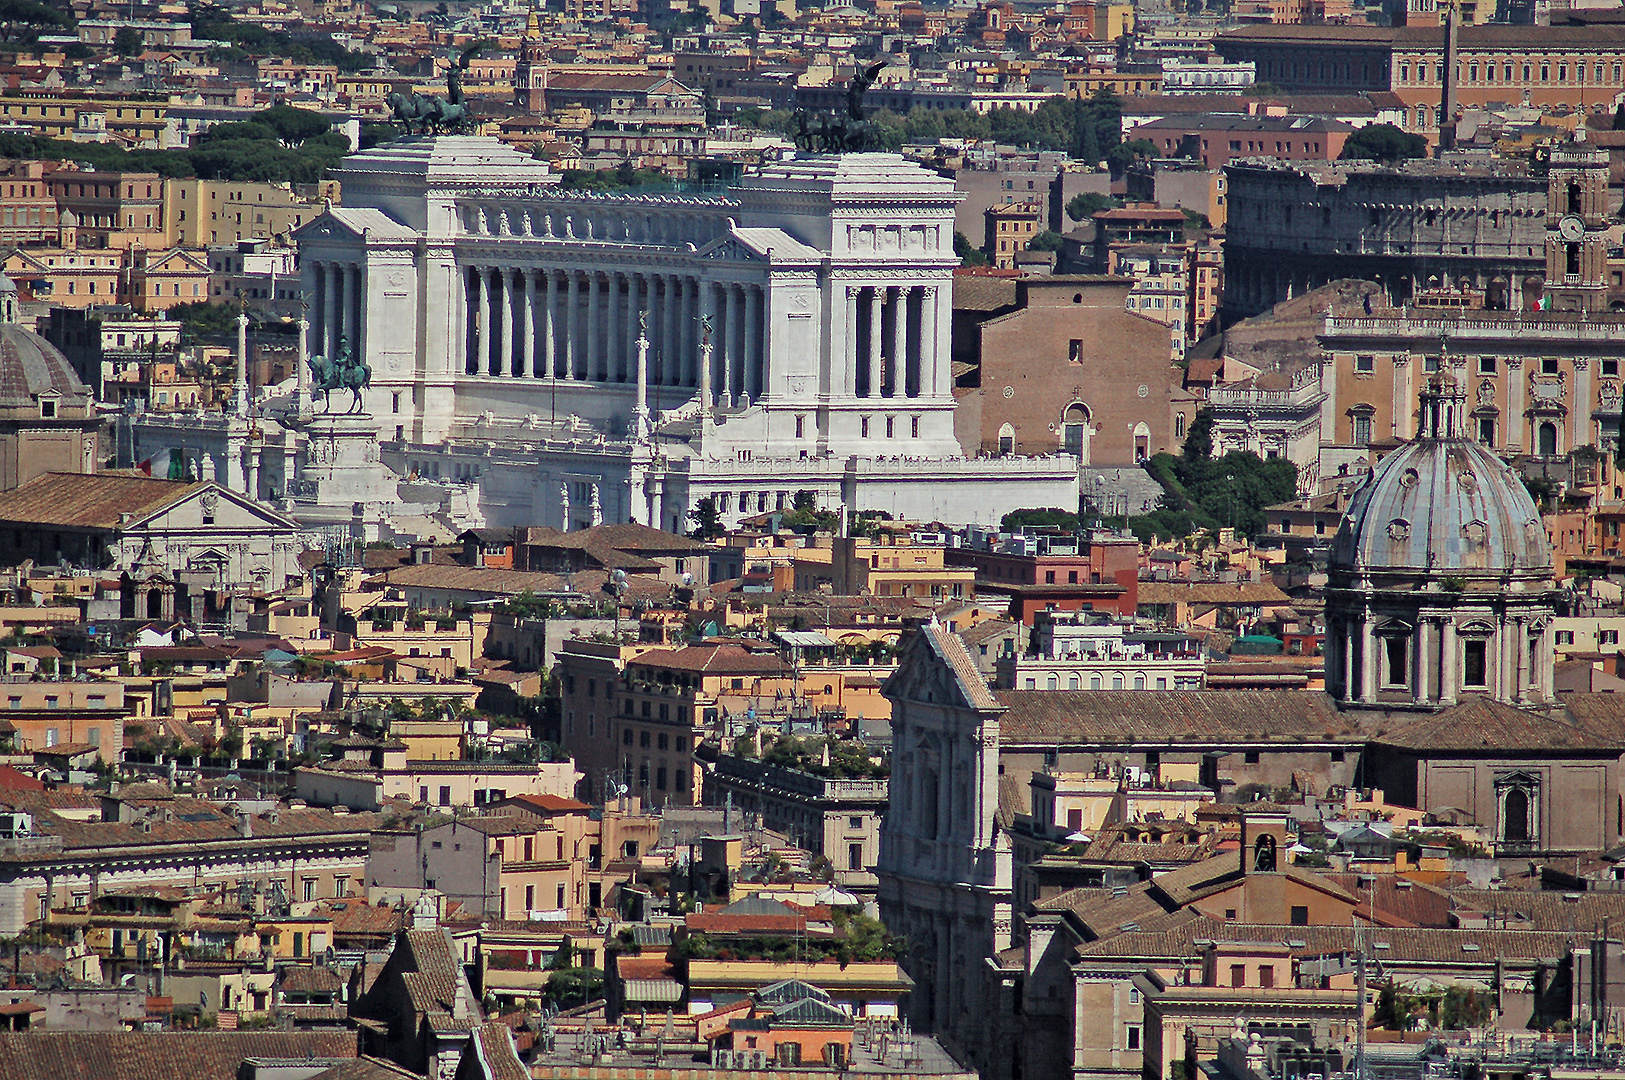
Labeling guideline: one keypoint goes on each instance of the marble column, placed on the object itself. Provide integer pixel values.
(301, 363)
(572, 349)
(899, 341)
(1516, 423)
(550, 343)
(330, 312)
(1368, 659)
(848, 384)
(346, 329)
(612, 326)
(928, 340)
(634, 308)
(473, 281)
(1350, 690)
(876, 326)
(1523, 677)
(593, 347)
(530, 360)
(734, 362)
(753, 350)
(1419, 662)
(1580, 415)
(1449, 676)
(670, 351)
(358, 334)
(318, 308)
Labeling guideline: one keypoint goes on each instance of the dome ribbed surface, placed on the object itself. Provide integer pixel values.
(1442, 505)
(30, 365)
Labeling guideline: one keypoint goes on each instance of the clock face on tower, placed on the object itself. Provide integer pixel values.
(1571, 228)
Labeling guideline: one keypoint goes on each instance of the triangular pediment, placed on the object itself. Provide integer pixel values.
(326, 227)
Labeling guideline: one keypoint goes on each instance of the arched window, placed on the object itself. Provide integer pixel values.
(1264, 855)
(1007, 440)
(1515, 817)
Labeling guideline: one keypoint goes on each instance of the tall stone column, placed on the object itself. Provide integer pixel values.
(318, 307)
(358, 336)
(1419, 662)
(1516, 423)
(691, 332)
(1580, 415)
(330, 312)
(473, 318)
(733, 362)
(640, 412)
(502, 355)
(876, 328)
(572, 350)
(530, 362)
(753, 345)
(928, 340)
(849, 353)
(239, 388)
(670, 347)
(612, 325)
(347, 332)
(1369, 659)
(301, 396)
(550, 339)
(634, 325)
(1449, 677)
(593, 348)
(899, 341)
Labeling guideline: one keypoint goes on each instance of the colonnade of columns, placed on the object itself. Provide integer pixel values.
(339, 308)
(1512, 663)
(891, 332)
(583, 325)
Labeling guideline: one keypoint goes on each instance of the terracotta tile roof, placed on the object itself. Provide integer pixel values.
(1180, 592)
(1399, 901)
(157, 1055)
(367, 1068)
(713, 660)
(194, 821)
(1482, 724)
(92, 501)
(1175, 935)
(552, 804)
(1543, 910)
(493, 1047)
(1115, 717)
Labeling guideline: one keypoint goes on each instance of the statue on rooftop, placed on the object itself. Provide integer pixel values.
(427, 114)
(852, 133)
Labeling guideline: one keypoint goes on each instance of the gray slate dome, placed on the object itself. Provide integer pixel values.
(1442, 504)
(30, 365)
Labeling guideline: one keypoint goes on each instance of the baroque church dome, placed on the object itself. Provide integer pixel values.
(1442, 504)
(29, 365)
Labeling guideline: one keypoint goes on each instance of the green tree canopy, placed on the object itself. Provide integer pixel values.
(127, 42)
(1048, 240)
(707, 521)
(24, 20)
(1050, 516)
(1121, 156)
(969, 254)
(1385, 143)
(1086, 204)
(293, 126)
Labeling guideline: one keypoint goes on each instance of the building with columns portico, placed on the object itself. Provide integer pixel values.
(556, 347)
(1440, 585)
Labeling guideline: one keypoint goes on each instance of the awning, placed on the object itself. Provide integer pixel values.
(653, 991)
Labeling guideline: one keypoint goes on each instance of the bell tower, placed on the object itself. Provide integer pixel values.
(530, 73)
(1576, 227)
